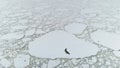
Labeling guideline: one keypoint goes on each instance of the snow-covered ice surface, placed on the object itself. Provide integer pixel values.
(53, 44)
(59, 34)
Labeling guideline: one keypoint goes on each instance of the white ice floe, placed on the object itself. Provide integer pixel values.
(52, 45)
(107, 39)
(75, 28)
(21, 61)
(5, 62)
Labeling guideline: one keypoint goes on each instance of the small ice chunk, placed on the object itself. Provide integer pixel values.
(52, 63)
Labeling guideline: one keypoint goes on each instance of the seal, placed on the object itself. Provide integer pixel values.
(67, 51)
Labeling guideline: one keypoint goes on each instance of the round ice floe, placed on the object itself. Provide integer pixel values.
(110, 40)
(75, 28)
(52, 45)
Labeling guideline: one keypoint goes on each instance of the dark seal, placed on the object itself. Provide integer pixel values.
(67, 51)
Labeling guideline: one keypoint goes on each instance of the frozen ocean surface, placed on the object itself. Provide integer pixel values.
(35, 33)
